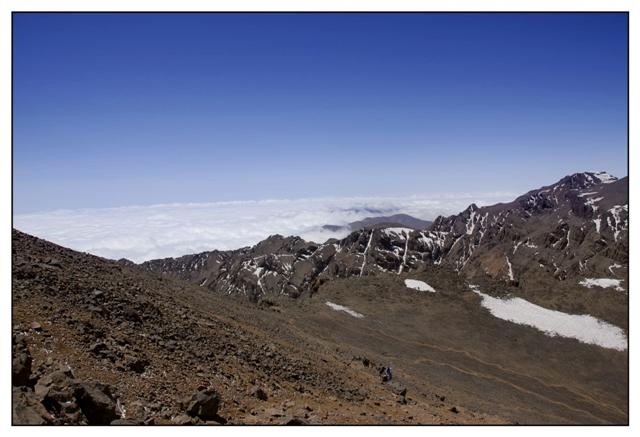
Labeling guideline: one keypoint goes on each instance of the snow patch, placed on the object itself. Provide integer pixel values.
(515, 246)
(404, 255)
(584, 328)
(433, 238)
(364, 261)
(605, 177)
(602, 282)
(597, 222)
(587, 194)
(347, 310)
(615, 212)
(592, 200)
(614, 266)
(470, 224)
(418, 285)
(510, 269)
(398, 232)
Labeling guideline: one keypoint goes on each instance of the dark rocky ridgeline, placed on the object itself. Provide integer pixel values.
(576, 228)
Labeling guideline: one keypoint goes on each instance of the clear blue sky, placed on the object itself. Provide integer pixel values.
(121, 109)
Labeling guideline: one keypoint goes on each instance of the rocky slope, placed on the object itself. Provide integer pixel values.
(567, 236)
(98, 342)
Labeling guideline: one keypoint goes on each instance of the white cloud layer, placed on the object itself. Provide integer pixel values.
(141, 233)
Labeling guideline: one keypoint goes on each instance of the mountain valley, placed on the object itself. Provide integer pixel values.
(501, 314)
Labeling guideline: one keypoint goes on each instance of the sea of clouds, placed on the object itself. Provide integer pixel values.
(141, 233)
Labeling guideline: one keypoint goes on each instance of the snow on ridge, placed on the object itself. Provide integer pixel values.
(615, 210)
(592, 200)
(404, 255)
(605, 177)
(516, 245)
(470, 224)
(364, 255)
(587, 194)
(602, 282)
(434, 238)
(398, 232)
(418, 285)
(584, 328)
(614, 266)
(347, 310)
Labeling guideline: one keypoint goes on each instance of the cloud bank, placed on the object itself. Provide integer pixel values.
(141, 233)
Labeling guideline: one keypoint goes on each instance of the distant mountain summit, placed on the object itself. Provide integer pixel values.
(576, 226)
(397, 220)
(570, 231)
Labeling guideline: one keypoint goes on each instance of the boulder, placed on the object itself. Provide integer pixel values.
(297, 421)
(26, 410)
(136, 364)
(25, 415)
(398, 388)
(96, 402)
(21, 363)
(204, 404)
(182, 419)
(259, 393)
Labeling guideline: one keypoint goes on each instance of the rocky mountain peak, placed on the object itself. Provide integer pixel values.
(586, 180)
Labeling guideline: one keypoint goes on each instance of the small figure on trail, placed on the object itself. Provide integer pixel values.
(385, 373)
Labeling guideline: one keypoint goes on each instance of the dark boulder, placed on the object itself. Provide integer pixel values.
(96, 402)
(136, 364)
(259, 393)
(56, 381)
(204, 404)
(21, 363)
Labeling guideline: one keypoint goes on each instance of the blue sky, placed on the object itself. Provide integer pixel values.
(116, 109)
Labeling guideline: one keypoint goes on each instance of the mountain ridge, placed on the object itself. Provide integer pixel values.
(574, 229)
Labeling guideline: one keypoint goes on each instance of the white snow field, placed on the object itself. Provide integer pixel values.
(347, 310)
(418, 285)
(584, 328)
(602, 282)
